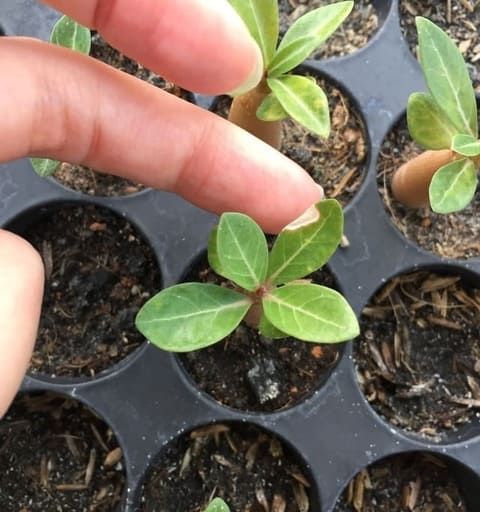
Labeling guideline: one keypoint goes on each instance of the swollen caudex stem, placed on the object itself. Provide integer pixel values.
(411, 182)
(243, 113)
(279, 94)
(444, 122)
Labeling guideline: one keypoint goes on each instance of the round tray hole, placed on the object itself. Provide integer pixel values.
(251, 373)
(248, 467)
(99, 272)
(412, 481)
(418, 352)
(453, 236)
(56, 454)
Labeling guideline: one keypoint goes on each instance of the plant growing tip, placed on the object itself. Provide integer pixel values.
(217, 505)
(69, 34)
(280, 95)
(443, 121)
(264, 288)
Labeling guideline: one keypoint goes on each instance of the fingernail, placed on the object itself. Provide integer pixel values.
(310, 216)
(322, 193)
(253, 79)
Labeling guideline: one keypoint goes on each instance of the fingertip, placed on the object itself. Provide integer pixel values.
(21, 291)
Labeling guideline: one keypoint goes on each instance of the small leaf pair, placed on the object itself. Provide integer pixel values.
(294, 96)
(69, 34)
(191, 316)
(446, 118)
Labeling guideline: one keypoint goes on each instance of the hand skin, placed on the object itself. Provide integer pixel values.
(59, 104)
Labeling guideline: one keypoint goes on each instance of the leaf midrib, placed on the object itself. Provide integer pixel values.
(216, 310)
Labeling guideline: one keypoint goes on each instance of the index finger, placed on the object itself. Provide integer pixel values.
(200, 45)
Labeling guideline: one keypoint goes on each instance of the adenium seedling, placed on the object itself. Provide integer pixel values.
(280, 95)
(444, 121)
(266, 289)
(217, 505)
(69, 34)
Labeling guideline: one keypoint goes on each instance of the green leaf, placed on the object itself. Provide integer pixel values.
(466, 145)
(242, 250)
(304, 101)
(271, 109)
(311, 312)
(300, 251)
(44, 167)
(306, 35)
(268, 330)
(191, 316)
(428, 125)
(217, 505)
(70, 34)
(453, 186)
(213, 259)
(261, 19)
(447, 76)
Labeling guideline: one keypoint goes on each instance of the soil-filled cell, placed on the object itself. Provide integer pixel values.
(250, 372)
(418, 354)
(454, 235)
(420, 482)
(55, 454)
(99, 272)
(251, 469)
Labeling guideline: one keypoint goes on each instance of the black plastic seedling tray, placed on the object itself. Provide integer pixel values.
(148, 400)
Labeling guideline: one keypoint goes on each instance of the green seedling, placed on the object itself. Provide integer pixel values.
(280, 94)
(69, 34)
(217, 505)
(444, 121)
(267, 290)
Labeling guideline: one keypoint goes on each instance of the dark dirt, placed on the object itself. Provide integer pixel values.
(460, 19)
(354, 33)
(338, 163)
(418, 357)
(99, 273)
(56, 455)
(86, 180)
(250, 469)
(250, 372)
(417, 482)
(449, 236)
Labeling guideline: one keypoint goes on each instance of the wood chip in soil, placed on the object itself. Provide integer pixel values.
(247, 467)
(99, 272)
(354, 33)
(459, 18)
(250, 372)
(418, 355)
(450, 236)
(338, 163)
(86, 180)
(52, 458)
(416, 482)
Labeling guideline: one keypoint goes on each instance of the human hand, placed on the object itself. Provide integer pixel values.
(59, 104)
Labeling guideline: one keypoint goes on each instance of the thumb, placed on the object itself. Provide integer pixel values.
(21, 291)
